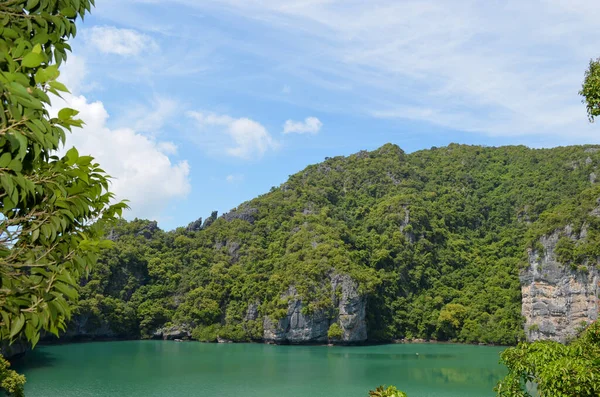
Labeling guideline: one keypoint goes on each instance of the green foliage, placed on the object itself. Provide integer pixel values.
(335, 332)
(52, 208)
(10, 381)
(555, 369)
(390, 391)
(208, 333)
(590, 89)
(434, 239)
(565, 250)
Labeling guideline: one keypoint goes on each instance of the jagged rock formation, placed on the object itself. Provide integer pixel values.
(296, 327)
(243, 212)
(194, 226)
(557, 299)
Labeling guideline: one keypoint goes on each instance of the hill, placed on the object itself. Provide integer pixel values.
(378, 245)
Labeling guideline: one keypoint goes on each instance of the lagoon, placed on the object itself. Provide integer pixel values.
(168, 369)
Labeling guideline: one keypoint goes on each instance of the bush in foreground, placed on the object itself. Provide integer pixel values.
(554, 369)
(391, 391)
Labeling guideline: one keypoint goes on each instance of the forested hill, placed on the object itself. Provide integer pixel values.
(434, 241)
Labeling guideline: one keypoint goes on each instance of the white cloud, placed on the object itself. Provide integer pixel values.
(311, 125)
(125, 42)
(73, 73)
(242, 137)
(140, 165)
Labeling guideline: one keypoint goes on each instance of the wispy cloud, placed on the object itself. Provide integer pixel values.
(233, 178)
(502, 69)
(125, 42)
(150, 117)
(310, 125)
(236, 137)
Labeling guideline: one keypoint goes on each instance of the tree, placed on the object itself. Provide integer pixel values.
(52, 208)
(10, 381)
(590, 89)
(554, 369)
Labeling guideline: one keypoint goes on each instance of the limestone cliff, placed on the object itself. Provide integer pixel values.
(296, 327)
(557, 298)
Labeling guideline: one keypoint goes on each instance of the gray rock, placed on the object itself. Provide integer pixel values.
(85, 326)
(173, 332)
(15, 350)
(251, 312)
(556, 299)
(296, 327)
(194, 226)
(148, 230)
(351, 307)
(243, 212)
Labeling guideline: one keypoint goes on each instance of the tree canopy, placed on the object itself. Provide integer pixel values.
(550, 369)
(590, 89)
(52, 206)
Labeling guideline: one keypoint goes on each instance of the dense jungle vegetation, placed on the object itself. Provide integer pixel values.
(435, 240)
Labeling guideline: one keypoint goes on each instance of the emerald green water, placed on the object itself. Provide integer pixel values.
(157, 368)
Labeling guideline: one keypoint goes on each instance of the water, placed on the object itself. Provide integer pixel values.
(157, 368)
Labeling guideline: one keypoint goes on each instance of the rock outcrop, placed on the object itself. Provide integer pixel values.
(173, 332)
(557, 299)
(296, 327)
(15, 350)
(85, 327)
(243, 212)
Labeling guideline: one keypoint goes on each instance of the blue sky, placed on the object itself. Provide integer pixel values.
(196, 106)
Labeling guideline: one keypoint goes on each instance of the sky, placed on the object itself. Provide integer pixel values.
(194, 106)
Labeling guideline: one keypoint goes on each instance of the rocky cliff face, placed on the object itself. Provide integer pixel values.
(15, 350)
(557, 299)
(296, 327)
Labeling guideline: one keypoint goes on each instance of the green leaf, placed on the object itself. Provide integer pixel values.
(15, 165)
(5, 159)
(58, 86)
(69, 12)
(44, 75)
(70, 292)
(17, 325)
(22, 145)
(67, 113)
(32, 4)
(33, 60)
(35, 235)
(72, 156)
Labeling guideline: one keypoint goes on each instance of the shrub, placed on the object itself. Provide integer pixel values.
(335, 332)
(207, 333)
(391, 391)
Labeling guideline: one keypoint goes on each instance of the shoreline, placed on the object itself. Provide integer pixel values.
(360, 344)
